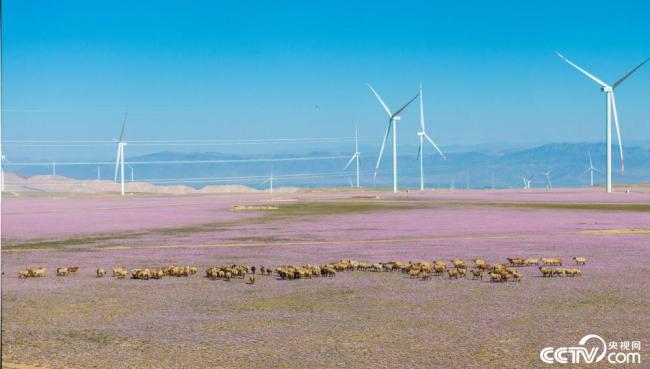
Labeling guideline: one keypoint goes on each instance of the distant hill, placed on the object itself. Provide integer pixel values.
(568, 162)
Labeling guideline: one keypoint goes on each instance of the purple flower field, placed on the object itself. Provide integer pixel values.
(356, 319)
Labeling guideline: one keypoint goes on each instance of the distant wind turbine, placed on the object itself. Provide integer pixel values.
(270, 180)
(527, 181)
(356, 154)
(423, 134)
(53, 169)
(392, 121)
(548, 178)
(119, 162)
(3, 159)
(611, 110)
(132, 177)
(591, 170)
(99, 174)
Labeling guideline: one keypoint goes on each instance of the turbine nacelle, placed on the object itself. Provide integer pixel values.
(607, 89)
(396, 118)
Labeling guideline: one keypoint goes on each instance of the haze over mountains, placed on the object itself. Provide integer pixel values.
(568, 162)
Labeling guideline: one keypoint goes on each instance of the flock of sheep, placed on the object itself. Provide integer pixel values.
(502, 272)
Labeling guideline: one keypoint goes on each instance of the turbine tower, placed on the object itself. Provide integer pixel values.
(356, 154)
(119, 162)
(3, 159)
(423, 134)
(270, 180)
(392, 121)
(610, 111)
(591, 170)
(548, 179)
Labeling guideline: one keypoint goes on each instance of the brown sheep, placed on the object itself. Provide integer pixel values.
(459, 263)
(478, 262)
(531, 261)
(516, 261)
(73, 269)
(120, 273)
(101, 272)
(452, 273)
(477, 273)
(462, 272)
(23, 274)
(546, 272)
(580, 260)
(516, 276)
(251, 279)
(61, 272)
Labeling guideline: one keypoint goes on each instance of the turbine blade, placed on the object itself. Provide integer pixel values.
(419, 151)
(421, 110)
(629, 74)
(126, 114)
(618, 131)
(405, 105)
(434, 145)
(380, 100)
(590, 163)
(117, 163)
(350, 161)
(383, 145)
(601, 83)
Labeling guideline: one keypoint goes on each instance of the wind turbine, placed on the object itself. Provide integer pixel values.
(423, 134)
(3, 159)
(132, 180)
(527, 181)
(99, 174)
(392, 121)
(356, 154)
(548, 178)
(119, 162)
(611, 110)
(53, 169)
(270, 180)
(592, 169)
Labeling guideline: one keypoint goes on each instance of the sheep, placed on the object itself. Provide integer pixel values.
(101, 272)
(73, 269)
(459, 263)
(560, 272)
(253, 269)
(546, 272)
(516, 276)
(251, 279)
(478, 262)
(228, 276)
(495, 277)
(574, 272)
(462, 272)
(531, 261)
(23, 274)
(580, 260)
(477, 273)
(120, 273)
(552, 261)
(61, 272)
(413, 273)
(452, 273)
(515, 261)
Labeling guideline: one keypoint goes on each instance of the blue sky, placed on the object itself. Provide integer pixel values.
(212, 69)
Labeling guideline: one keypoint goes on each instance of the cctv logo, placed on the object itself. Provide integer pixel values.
(583, 354)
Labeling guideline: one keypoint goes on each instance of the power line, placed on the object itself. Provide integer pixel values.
(216, 161)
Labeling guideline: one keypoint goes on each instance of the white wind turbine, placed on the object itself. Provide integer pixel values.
(3, 159)
(611, 110)
(392, 121)
(270, 180)
(527, 181)
(548, 178)
(356, 154)
(119, 162)
(423, 134)
(591, 170)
